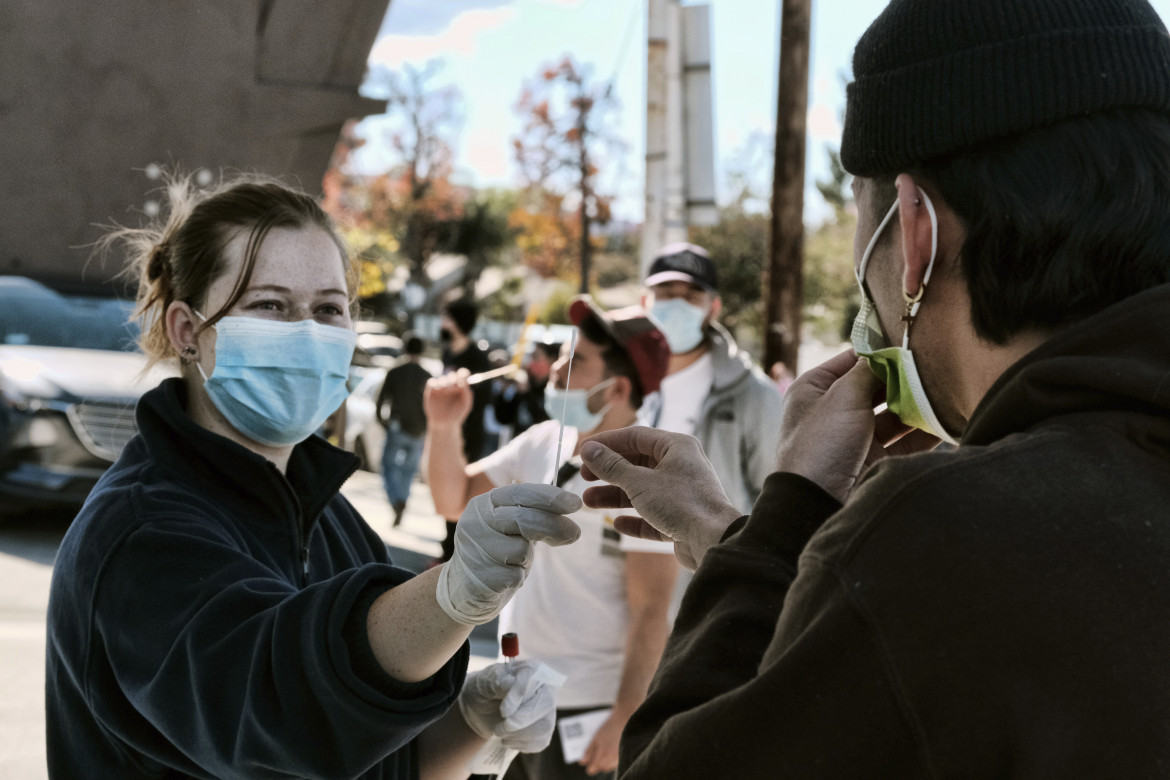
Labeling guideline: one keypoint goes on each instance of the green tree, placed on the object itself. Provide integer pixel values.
(483, 233)
(830, 288)
(423, 208)
(739, 242)
(405, 215)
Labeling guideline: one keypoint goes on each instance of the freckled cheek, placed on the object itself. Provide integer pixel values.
(209, 339)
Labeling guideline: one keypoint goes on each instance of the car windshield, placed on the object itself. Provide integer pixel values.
(32, 314)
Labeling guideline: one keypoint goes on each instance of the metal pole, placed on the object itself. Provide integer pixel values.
(653, 234)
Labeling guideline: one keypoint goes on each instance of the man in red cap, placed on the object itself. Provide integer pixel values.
(596, 610)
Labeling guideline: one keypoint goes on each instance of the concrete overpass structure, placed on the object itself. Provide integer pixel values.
(92, 93)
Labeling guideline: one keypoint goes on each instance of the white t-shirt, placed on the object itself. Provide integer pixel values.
(683, 394)
(572, 612)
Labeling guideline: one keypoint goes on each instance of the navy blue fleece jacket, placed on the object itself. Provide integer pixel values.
(207, 616)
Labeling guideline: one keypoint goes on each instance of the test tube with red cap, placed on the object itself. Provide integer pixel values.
(509, 646)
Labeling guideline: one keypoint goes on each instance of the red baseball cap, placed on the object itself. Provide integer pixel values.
(634, 331)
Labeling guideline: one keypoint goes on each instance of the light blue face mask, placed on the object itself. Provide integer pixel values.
(277, 382)
(574, 405)
(680, 322)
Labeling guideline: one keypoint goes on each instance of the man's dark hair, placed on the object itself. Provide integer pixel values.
(1062, 221)
(550, 350)
(617, 360)
(464, 314)
(414, 345)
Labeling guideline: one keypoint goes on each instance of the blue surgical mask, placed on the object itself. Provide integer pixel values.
(894, 365)
(574, 405)
(277, 382)
(680, 322)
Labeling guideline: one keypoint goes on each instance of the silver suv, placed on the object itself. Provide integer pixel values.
(70, 375)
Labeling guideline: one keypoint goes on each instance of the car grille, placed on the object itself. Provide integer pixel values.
(104, 428)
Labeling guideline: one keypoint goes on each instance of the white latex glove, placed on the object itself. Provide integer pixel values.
(494, 539)
(513, 702)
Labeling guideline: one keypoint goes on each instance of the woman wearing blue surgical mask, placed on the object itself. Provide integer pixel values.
(218, 609)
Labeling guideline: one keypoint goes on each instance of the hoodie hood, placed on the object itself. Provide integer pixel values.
(730, 363)
(1118, 359)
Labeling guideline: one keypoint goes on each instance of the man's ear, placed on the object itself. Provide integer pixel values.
(716, 307)
(620, 390)
(918, 234)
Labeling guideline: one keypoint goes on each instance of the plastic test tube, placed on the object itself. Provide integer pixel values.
(509, 648)
(564, 406)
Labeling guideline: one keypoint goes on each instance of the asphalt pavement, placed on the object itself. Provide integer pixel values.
(27, 549)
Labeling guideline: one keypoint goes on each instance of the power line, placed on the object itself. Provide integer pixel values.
(635, 9)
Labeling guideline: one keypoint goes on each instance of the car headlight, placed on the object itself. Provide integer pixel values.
(41, 432)
(23, 383)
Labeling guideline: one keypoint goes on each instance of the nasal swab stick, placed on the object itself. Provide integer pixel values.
(564, 407)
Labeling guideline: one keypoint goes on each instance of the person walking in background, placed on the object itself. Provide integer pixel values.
(400, 410)
(459, 351)
(596, 611)
(713, 390)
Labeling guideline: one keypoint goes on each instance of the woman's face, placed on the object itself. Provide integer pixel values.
(299, 274)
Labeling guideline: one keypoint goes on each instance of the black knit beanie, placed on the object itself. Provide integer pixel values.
(933, 77)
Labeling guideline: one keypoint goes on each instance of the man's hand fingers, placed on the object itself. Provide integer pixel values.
(638, 445)
(606, 497)
(859, 384)
(631, 525)
(605, 464)
(887, 428)
(823, 376)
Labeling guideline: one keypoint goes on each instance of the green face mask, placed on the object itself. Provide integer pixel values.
(894, 366)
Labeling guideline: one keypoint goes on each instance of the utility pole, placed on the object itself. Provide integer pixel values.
(783, 277)
(586, 192)
(666, 217)
(680, 154)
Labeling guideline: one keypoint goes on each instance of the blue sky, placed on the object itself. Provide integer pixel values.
(488, 48)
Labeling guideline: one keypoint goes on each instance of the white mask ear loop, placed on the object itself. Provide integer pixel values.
(601, 386)
(915, 301)
(873, 242)
(198, 364)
